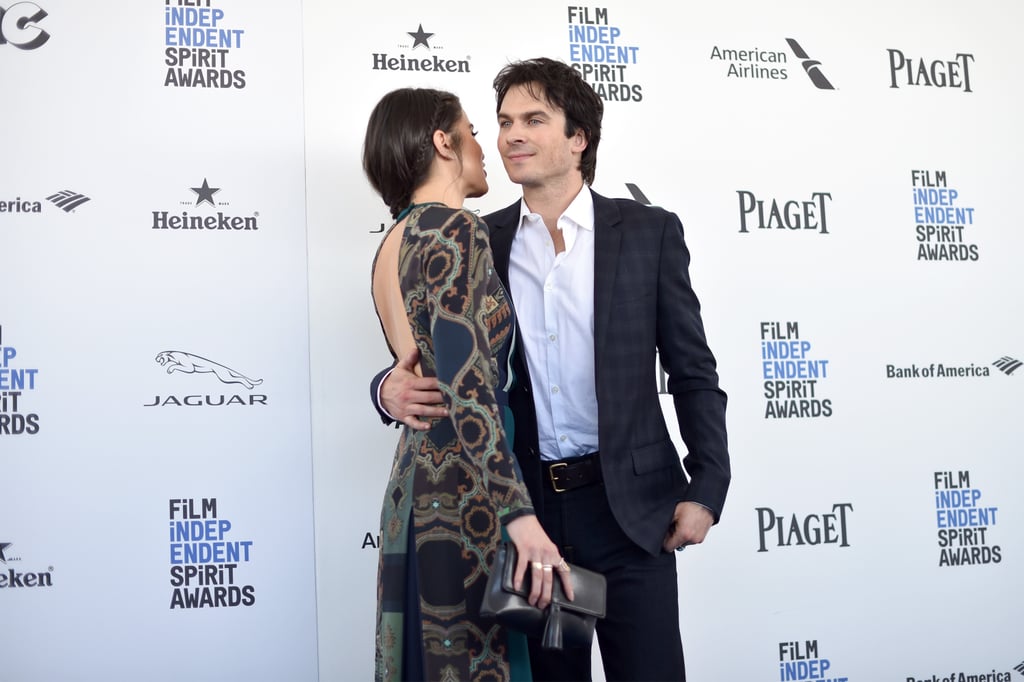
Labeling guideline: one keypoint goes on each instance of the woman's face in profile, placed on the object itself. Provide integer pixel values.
(474, 177)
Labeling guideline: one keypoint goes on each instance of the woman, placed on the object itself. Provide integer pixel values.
(456, 488)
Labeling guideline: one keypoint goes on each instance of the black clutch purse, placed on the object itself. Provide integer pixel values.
(562, 623)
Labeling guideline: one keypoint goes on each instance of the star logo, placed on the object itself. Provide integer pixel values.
(420, 38)
(205, 193)
(3, 546)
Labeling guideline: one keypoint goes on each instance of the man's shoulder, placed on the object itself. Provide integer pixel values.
(631, 211)
(503, 216)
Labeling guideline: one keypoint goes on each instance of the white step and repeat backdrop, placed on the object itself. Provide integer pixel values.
(192, 473)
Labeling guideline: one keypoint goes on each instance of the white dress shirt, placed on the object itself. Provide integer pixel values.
(554, 299)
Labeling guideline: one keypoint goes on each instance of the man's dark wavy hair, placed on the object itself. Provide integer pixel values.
(562, 86)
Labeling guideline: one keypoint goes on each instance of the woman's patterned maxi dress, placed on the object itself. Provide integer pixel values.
(454, 485)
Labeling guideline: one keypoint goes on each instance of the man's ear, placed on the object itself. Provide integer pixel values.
(442, 145)
(579, 141)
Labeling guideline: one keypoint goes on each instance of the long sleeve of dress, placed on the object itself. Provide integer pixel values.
(462, 305)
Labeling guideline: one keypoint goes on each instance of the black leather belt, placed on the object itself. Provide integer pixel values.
(569, 474)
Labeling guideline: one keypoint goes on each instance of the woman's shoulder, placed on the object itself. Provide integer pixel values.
(446, 218)
(445, 213)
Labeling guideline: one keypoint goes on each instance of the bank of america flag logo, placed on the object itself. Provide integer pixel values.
(1007, 364)
(68, 199)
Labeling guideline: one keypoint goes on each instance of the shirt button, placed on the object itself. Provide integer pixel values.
(552, 337)
(554, 389)
(562, 438)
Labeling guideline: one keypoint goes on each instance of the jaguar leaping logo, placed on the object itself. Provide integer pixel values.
(187, 363)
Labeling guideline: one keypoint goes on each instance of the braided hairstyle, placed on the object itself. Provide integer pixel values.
(399, 144)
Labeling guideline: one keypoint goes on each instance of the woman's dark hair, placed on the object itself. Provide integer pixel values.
(399, 144)
(561, 86)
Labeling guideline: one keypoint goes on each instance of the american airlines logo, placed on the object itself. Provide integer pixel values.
(811, 66)
(638, 194)
(753, 62)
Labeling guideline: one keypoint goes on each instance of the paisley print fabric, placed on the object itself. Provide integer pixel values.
(454, 485)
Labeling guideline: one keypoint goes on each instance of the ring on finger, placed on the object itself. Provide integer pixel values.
(547, 567)
(536, 565)
(563, 565)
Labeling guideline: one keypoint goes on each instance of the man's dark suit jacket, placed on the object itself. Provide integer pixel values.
(643, 303)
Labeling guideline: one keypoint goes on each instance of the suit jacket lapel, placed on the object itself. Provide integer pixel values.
(503, 226)
(607, 239)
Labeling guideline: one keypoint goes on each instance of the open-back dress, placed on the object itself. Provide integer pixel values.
(451, 487)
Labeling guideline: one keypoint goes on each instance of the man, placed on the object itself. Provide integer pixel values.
(599, 286)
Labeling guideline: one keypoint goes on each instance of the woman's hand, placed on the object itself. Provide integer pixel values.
(538, 554)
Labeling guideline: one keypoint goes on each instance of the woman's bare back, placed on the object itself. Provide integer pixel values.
(387, 294)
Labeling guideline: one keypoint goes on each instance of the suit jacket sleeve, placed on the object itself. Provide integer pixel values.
(692, 375)
(375, 383)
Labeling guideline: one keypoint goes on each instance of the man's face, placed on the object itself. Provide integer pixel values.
(532, 142)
